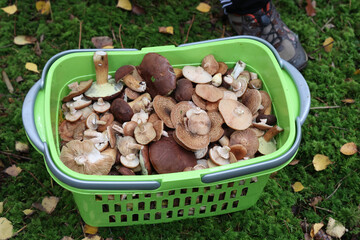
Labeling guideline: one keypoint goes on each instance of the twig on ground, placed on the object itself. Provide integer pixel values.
(113, 34)
(339, 184)
(329, 21)
(286, 225)
(324, 209)
(319, 99)
(323, 46)
(316, 24)
(18, 231)
(345, 129)
(188, 31)
(223, 32)
(122, 46)
(15, 155)
(80, 34)
(325, 107)
(7, 82)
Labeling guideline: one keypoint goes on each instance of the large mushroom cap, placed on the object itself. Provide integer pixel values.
(190, 140)
(179, 111)
(252, 100)
(236, 115)
(184, 90)
(247, 138)
(209, 92)
(158, 74)
(167, 156)
(163, 106)
(216, 131)
(83, 157)
(77, 89)
(196, 74)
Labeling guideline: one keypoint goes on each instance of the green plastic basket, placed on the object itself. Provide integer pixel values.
(130, 200)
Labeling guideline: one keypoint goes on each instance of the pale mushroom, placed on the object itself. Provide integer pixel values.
(92, 121)
(209, 92)
(127, 145)
(220, 155)
(130, 161)
(144, 133)
(73, 115)
(210, 64)
(197, 121)
(236, 115)
(101, 106)
(196, 74)
(79, 102)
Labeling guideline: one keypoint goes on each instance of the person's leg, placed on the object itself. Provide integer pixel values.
(260, 18)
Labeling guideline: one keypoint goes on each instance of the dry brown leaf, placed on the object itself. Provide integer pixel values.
(21, 147)
(124, 4)
(31, 67)
(335, 228)
(13, 170)
(102, 42)
(90, 229)
(315, 201)
(357, 72)
(315, 228)
(6, 228)
(49, 204)
(23, 40)
(1, 207)
(297, 187)
(203, 7)
(28, 212)
(37, 49)
(328, 44)
(348, 100)
(167, 30)
(10, 9)
(321, 162)
(294, 162)
(310, 10)
(43, 7)
(349, 148)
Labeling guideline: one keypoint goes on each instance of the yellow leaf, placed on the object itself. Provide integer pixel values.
(28, 212)
(315, 228)
(6, 228)
(124, 4)
(90, 229)
(49, 203)
(10, 9)
(349, 148)
(108, 47)
(167, 30)
(31, 67)
(328, 44)
(203, 7)
(43, 7)
(297, 187)
(321, 162)
(348, 100)
(13, 170)
(357, 72)
(23, 40)
(1, 207)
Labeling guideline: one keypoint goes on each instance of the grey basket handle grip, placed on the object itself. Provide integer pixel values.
(258, 167)
(28, 116)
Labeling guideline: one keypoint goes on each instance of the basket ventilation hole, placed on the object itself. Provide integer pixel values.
(180, 212)
(148, 195)
(153, 205)
(244, 191)
(147, 216)
(129, 207)
(235, 204)
(135, 196)
(195, 189)
(169, 214)
(111, 197)
(218, 186)
(230, 184)
(123, 197)
(160, 194)
(98, 198)
(165, 203)
(141, 206)
(206, 189)
(187, 201)
(211, 198)
(117, 207)
(158, 215)
(105, 208)
(172, 192)
(123, 218)
(222, 196)
(191, 211)
(135, 217)
(254, 180)
(241, 182)
(183, 191)
(202, 209)
(213, 208)
(233, 194)
(224, 206)
(112, 218)
(176, 202)
(199, 199)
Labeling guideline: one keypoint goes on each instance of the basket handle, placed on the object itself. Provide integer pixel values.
(28, 117)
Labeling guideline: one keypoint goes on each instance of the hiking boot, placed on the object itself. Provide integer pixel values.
(266, 24)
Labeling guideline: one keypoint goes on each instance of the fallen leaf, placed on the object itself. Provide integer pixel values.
(294, 162)
(49, 203)
(21, 147)
(124, 4)
(335, 228)
(310, 10)
(315, 201)
(1, 207)
(357, 72)
(6, 228)
(90, 229)
(13, 170)
(108, 47)
(101, 42)
(349, 148)
(138, 10)
(328, 44)
(23, 40)
(19, 79)
(10, 9)
(321, 235)
(43, 7)
(321, 162)
(315, 228)
(31, 67)
(297, 187)
(37, 49)
(28, 212)
(203, 7)
(167, 30)
(2, 164)
(348, 100)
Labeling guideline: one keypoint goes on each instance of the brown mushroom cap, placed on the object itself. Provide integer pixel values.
(196, 74)
(108, 118)
(179, 111)
(198, 121)
(184, 90)
(83, 157)
(265, 102)
(129, 128)
(125, 171)
(190, 140)
(71, 130)
(201, 103)
(130, 76)
(141, 102)
(123, 71)
(210, 64)
(247, 138)
(79, 102)
(101, 106)
(159, 128)
(270, 119)
(209, 92)
(167, 156)
(216, 131)
(144, 133)
(239, 151)
(121, 110)
(252, 100)
(132, 95)
(144, 156)
(222, 68)
(236, 115)
(255, 84)
(158, 74)
(163, 106)
(77, 90)
(216, 157)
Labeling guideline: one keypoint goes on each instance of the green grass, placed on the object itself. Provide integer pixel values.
(278, 213)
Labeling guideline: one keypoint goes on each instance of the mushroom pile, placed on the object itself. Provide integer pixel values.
(154, 118)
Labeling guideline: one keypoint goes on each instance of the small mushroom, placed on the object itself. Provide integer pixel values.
(252, 100)
(262, 125)
(92, 121)
(196, 74)
(210, 64)
(224, 141)
(270, 119)
(220, 155)
(255, 84)
(239, 68)
(121, 110)
(77, 89)
(71, 130)
(198, 121)
(130, 76)
(130, 94)
(103, 88)
(108, 118)
(130, 161)
(239, 85)
(127, 145)
(184, 90)
(239, 151)
(142, 102)
(144, 133)
(265, 102)
(101, 106)
(111, 136)
(140, 117)
(179, 111)
(216, 80)
(272, 132)
(79, 102)
(83, 157)
(178, 73)
(247, 138)
(129, 128)
(73, 115)
(253, 75)
(159, 129)
(199, 154)
(216, 131)
(100, 140)
(222, 68)
(235, 114)
(209, 92)
(125, 171)
(163, 106)
(86, 111)
(189, 140)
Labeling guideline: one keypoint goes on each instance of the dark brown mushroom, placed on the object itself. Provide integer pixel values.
(130, 76)
(184, 90)
(121, 110)
(252, 99)
(210, 64)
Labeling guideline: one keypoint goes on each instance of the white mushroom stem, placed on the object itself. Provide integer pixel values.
(223, 152)
(236, 85)
(101, 102)
(224, 141)
(239, 67)
(164, 133)
(118, 129)
(140, 117)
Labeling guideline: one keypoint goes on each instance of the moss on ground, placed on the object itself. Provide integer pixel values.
(279, 211)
